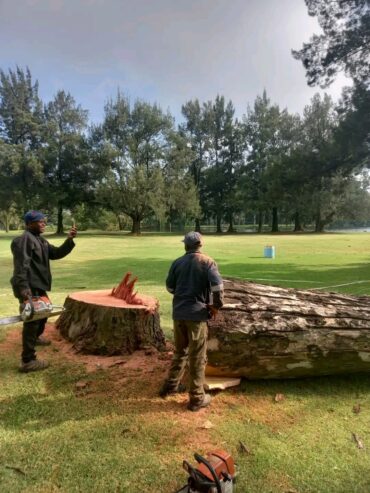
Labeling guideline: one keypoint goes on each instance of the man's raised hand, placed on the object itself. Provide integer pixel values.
(73, 231)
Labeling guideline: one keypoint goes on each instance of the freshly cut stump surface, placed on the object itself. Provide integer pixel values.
(97, 322)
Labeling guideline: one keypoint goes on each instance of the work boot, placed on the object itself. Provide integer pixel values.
(166, 389)
(33, 365)
(195, 406)
(42, 341)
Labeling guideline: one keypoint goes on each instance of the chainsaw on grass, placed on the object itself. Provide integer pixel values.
(216, 474)
(35, 308)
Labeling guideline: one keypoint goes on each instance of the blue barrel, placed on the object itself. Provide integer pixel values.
(269, 251)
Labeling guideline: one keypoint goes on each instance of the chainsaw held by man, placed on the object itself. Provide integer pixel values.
(216, 474)
(35, 308)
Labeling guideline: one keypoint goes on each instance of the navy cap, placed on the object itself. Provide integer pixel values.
(193, 239)
(33, 216)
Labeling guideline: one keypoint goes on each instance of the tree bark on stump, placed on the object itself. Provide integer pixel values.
(98, 323)
(271, 332)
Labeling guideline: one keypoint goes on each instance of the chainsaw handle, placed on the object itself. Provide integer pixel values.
(202, 460)
(196, 478)
(32, 306)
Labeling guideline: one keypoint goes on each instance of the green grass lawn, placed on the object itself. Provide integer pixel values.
(121, 437)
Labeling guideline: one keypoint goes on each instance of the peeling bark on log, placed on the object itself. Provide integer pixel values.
(97, 322)
(272, 332)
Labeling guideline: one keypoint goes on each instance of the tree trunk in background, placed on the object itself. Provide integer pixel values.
(259, 221)
(5, 220)
(297, 222)
(97, 323)
(121, 222)
(270, 332)
(136, 225)
(319, 225)
(218, 224)
(321, 222)
(275, 220)
(197, 225)
(60, 229)
(231, 228)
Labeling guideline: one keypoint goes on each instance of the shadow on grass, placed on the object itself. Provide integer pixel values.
(102, 274)
(328, 386)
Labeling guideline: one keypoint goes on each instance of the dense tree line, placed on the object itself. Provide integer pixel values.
(137, 167)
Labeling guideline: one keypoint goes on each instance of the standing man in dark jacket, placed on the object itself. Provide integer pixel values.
(32, 277)
(197, 287)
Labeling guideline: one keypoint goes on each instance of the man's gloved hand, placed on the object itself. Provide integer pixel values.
(26, 293)
(212, 310)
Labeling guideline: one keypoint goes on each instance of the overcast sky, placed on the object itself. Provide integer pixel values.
(164, 51)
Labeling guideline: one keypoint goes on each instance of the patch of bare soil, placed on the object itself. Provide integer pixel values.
(134, 381)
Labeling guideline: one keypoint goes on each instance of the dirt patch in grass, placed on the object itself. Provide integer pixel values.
(146, 361)
(132, 382)
(12, 342)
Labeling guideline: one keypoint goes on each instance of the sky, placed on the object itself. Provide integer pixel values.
(161, 51)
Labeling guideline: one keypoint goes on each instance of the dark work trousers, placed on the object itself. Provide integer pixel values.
(31, 331)
(190, 346)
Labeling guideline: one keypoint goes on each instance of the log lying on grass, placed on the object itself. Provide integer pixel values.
(114, 321)
(271, 332)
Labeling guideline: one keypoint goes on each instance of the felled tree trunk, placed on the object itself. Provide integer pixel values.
(104, 322)
(271, 332)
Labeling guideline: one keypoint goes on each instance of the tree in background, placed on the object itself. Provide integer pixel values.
(353, 205)
(195, 130)
(21, 127)
(281, 189)
(319, 122)
(224, 159)
(67, 169)
(136, 166)
(353, 132)
(344, 44)
(181, 197)
(136, 141)
(261, 131)
(9, 165)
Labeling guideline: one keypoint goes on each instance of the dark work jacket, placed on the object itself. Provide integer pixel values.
(31, 255)
(192, 279)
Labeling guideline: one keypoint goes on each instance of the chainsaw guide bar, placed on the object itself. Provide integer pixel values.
(35, 308)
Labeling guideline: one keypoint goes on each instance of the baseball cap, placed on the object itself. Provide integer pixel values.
(33, 216)
(193, 238)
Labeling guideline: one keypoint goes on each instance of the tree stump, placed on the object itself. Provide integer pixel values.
(113, 321)
(271, 332)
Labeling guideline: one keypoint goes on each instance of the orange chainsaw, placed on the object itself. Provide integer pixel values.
(35, 308)
(216, 474)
